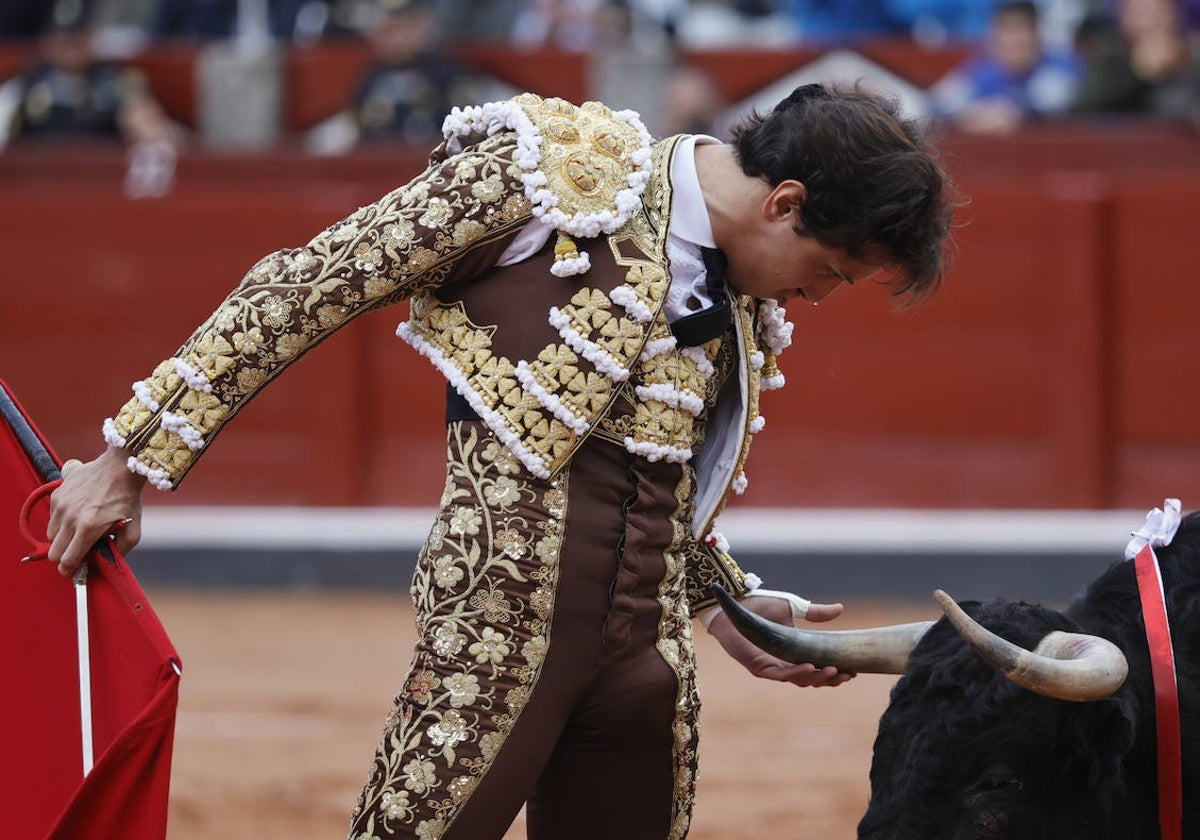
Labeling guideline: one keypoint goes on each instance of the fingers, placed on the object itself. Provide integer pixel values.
(71, 548)
(69, 466)
(73, 554)
(128, 535)
(805, 675)
(824, 612)
(97, 500)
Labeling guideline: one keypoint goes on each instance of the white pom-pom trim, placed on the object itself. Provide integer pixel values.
(772, 383)
(757, 424)
(111, 436)
(591, 351)
(757, 360)
(717, 540)
(179, 425)
(550, 401)
(626, 297)
(158, 478)
(571, 266)
(195, 380)
(740, 484)
(658, 451)
(776, 329)
(658, 347)
(142, 391)
(702, 363)
(672, 396)
(493, 419)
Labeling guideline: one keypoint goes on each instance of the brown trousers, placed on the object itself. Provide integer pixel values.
(539, 676)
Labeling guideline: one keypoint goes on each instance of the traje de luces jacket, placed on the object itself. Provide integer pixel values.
(540, 349)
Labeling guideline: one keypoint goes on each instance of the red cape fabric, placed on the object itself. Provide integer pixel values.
(135, 687)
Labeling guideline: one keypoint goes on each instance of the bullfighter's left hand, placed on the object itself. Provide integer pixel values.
(762, 664)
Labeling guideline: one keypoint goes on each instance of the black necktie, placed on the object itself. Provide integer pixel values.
(707, 324)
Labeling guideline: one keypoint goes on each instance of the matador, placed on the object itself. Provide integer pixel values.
(606, 310)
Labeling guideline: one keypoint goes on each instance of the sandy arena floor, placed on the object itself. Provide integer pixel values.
(283, 696)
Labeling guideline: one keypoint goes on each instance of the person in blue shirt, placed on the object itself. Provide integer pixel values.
(946, 20)
(1013, 80)
(840, 20)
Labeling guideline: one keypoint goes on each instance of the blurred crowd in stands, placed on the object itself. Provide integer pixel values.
(1027, 61)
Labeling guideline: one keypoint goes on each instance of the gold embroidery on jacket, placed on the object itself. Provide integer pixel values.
(587, 157)
(402, 244)
(574, 381)
(675, 645)
(484, 593)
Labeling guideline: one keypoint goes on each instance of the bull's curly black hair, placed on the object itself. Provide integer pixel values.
(874, 181)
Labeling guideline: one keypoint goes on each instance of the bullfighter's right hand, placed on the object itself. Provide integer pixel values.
(764, 665)
(92, 501)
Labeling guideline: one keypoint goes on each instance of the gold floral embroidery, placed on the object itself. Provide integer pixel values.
(588, 393)
(401, 245)
(675, 644)
(167, 451)
(202, 411)
(484, 593)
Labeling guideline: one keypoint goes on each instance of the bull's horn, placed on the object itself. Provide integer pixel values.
(878, 650)
(1068, 666)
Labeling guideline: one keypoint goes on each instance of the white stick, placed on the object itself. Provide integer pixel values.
(85, 668)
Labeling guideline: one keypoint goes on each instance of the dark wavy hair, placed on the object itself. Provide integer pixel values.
(874, 181)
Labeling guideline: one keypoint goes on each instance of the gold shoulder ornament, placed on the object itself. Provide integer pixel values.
(585, 166)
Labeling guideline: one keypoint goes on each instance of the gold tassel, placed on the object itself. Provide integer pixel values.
(565, 248)
(769, 368)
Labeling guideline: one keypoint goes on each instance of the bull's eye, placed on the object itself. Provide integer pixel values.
(998, 783)
(993, 788)
(1001, 783)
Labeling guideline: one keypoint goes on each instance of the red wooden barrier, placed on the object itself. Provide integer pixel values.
(1053, 370)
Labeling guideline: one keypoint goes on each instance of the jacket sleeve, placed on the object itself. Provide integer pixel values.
(706, 565)
(415, 238)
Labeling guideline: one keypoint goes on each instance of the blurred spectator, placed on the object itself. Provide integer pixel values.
(573, 25)
(936, 22)
(409, 88)
(839, 20)
(1139, 63)
(478, 19)
(284, 20)
(693, 104)
(939, 21)
(1013, 80)
(70, 93)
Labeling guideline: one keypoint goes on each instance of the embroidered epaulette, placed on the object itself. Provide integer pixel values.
(584, 166)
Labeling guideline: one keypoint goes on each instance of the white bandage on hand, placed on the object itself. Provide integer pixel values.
(799, 605)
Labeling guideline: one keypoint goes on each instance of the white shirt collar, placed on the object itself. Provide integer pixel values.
(689, 214)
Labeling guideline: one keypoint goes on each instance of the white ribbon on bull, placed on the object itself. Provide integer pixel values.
(1158, 529)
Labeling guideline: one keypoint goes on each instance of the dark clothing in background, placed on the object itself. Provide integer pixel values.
(59, 103)
(408, 101)
(24, 18)
(217, 19)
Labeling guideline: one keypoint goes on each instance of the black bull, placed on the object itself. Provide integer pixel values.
(963, 753)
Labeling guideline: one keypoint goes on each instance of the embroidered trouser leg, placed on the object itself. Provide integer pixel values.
(538, 667)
